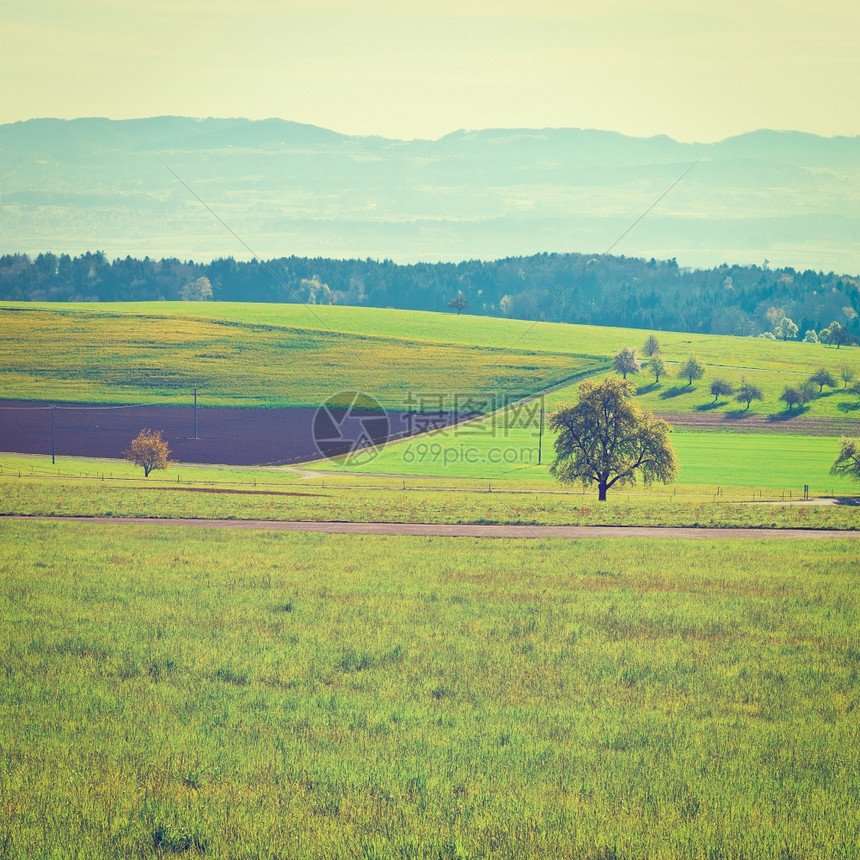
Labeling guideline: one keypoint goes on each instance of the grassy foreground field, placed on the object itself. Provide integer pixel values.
(271, 695)
(33, 486)
(358, 503)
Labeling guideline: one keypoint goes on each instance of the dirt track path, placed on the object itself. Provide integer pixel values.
(468, 530)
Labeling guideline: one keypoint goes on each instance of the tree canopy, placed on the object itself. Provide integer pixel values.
(657, 367)
(199, 290)
(651, 346)
(848, 461)
(748, 392)
(626, 362)
(786, 329)
(691, 369)
(721, 388)
(835, 334)
(606, 439)
(621, 291)
(148, 450)
(459, 302)
(792, 396)
(823, 377)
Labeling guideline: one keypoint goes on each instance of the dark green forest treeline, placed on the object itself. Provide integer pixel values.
(575, 288)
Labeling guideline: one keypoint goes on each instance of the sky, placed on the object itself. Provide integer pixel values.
(695, 71)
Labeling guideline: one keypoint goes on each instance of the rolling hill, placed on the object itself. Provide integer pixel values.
(286, 188)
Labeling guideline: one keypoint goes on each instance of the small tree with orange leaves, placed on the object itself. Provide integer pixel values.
(148, 450)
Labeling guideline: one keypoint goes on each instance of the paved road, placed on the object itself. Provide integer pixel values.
(470, 530)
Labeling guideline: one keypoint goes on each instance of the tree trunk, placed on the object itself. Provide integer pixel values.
(601, 491)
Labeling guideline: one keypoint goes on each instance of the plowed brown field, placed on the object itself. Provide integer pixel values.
(239, 437)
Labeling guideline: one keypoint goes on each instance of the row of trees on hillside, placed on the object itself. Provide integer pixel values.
(809, 389)
(626, 362)
(575, 288)
(691, 369)
(835, 334)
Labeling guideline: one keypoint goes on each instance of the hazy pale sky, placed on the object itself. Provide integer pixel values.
(410, 68)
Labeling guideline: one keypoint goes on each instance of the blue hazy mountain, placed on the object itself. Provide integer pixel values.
(287, 188)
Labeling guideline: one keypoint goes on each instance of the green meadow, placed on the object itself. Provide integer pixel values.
(334, 500)
(491, 449)
(264, 355)
(297, 355)
(106, 356)
(496, 332)
(259, 695)
(734, 464)
(234, 694)
(725, 480)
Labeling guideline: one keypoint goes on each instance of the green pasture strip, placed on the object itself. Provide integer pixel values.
(716, 350)
(329, 501)
(769, 461)
(109, 357)
(40, 465)
(493, 449)
(481, 455)
(309, 696)
(327, 474)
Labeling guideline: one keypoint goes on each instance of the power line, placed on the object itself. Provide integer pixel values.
(82, 407)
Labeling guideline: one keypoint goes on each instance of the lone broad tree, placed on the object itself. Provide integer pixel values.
(606, 439)
(459, 302)
(848, 461)
(149, 450)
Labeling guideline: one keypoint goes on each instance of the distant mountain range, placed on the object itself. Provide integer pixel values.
(284, 189)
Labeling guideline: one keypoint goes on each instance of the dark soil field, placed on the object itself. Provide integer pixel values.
(752, 422)
(236, 437)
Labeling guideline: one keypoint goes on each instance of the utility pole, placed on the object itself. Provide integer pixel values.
(195, 411)
(540, 436)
